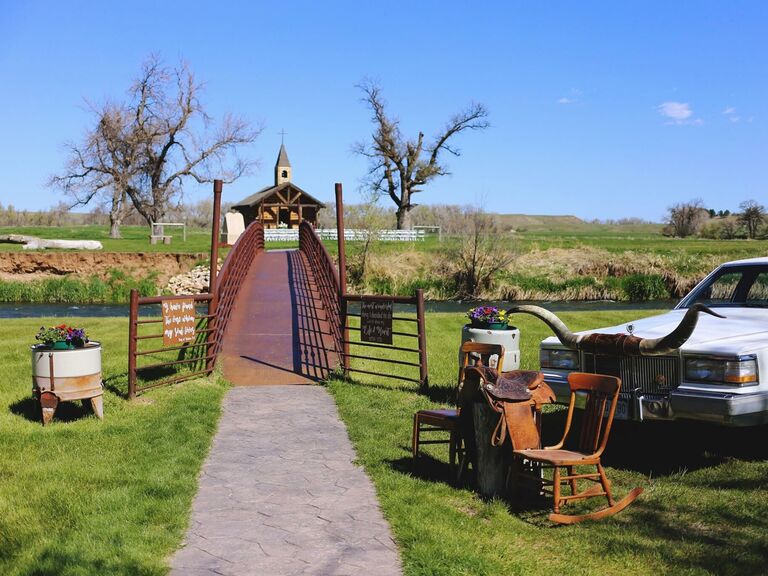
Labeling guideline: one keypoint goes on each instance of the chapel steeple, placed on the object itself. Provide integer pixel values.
(282, 167)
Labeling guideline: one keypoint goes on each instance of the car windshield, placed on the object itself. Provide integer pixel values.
(729, 286)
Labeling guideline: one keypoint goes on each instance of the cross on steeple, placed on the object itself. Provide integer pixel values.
(282, 135)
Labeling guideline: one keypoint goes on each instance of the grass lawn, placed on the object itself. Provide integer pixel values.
(135, 238)
(704, 510)
(84, 496)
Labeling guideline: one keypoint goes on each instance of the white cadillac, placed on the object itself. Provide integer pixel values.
(672, 366)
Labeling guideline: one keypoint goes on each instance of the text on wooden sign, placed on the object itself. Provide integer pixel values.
(178, 321)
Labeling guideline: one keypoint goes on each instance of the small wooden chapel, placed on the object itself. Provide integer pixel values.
(283, 205)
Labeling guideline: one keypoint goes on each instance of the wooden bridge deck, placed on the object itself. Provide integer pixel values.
(278, 332)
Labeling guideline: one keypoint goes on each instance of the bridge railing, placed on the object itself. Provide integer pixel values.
(230, 279)
(159, 364)
(409, 330)
(405, 359)
(326, 278)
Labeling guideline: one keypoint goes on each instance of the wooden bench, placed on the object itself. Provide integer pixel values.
(153, 239)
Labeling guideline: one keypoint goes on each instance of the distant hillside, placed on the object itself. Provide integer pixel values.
(569, 224)
(534, 222)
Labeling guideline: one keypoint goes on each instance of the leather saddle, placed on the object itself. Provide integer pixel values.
(517, 396)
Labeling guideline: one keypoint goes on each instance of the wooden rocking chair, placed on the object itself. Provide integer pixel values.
(602, 394)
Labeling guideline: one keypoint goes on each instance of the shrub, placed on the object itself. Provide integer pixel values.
(638, 287)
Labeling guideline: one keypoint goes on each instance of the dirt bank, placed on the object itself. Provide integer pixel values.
(36, 265)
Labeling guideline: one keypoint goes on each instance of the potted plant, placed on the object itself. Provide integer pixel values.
(62, 337)
(488, 317)
(66, 365)
(490, 325)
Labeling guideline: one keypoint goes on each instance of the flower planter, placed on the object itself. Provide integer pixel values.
(62, 345)
(508, 337)
(69, 374)
(490, 325)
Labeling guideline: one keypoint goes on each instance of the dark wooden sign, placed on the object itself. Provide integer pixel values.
(376, 321)
(178, 321)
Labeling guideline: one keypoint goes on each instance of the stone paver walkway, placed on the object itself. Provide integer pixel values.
(279, 494)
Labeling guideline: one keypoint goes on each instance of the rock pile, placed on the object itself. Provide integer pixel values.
(193, 282)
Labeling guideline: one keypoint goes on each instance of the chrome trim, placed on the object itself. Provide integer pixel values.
(640, 374)
(721, 407)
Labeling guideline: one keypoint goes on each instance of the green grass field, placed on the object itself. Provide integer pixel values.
(703, 510)
(83, 496)
(135, 238)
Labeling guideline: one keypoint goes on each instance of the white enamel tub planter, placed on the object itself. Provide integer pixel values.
(507, 337)
(62, 375)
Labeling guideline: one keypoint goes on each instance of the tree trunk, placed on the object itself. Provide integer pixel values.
(404, 218)
(116, 214)
(114, 228)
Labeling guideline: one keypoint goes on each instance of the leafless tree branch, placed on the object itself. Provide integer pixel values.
(142, 150)
(397, 165)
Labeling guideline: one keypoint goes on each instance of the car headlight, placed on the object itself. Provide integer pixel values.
(560, 359)
(731, 372)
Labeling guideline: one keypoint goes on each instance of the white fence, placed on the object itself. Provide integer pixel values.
(292, 235)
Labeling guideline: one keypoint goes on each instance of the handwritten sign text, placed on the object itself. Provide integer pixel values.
(376, 321)
(178, 321)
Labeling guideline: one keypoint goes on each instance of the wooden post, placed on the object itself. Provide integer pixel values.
(342, 274)
(213, 303)
(420, 321)
(492, 461)
(132, 335)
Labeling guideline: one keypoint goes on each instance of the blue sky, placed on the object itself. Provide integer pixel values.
(598, 109)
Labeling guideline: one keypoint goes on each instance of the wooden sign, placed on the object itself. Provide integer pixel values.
(178, 321)
(376, 321)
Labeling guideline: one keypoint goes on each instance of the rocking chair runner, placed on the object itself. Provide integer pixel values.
(448, 420)
(602, 393)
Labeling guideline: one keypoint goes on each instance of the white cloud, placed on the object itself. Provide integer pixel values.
(573, 97)
(679, 113)
(730, 113)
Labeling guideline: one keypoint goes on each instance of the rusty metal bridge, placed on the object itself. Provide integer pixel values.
(277, 317)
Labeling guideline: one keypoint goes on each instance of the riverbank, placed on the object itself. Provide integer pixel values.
(580, 272)
(432, 306)
(589, 264)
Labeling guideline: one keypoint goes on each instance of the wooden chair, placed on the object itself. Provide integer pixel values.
(447, 419)
(582, 449)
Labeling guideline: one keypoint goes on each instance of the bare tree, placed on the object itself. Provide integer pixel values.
(400, 167)
(143, 149)
(480, 254)
(103, 165)
(685, 218)
(370, 219)
(752, 216)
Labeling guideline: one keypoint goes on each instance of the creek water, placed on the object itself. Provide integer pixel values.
(121, 310)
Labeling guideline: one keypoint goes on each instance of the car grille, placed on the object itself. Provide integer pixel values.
(651, 374)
